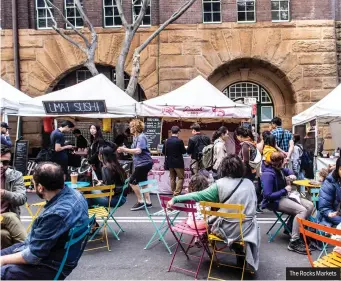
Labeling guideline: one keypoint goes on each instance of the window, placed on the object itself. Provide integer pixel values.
(137, 5)
(72, 14)
(82, 75)
(211, 11)
(267, 113)
(246, 10)
(280, 10)
(126, 78)
(238, 91)
(44, 19)
(111, 15)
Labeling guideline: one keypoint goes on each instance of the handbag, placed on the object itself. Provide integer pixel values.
(166, 166)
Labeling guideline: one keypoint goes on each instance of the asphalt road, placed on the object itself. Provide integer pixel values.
(128, 260)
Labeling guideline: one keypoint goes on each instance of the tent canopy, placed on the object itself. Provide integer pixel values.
(197, 98)
(326, 110)
(99, 87)
(11, 97)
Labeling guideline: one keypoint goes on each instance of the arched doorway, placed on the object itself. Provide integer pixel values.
(254, 78)
(241, 90)
(81, 74)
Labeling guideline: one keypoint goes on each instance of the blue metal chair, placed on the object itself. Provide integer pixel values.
(314, 192)
(283, 223)
(162, 229)
(77, 235)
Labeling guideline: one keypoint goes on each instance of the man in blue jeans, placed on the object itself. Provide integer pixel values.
(40, 255)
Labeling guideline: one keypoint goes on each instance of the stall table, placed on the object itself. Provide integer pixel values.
(158, 172)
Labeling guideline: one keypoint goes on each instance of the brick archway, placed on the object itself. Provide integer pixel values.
(263, 73)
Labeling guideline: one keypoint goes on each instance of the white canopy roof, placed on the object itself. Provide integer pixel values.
(197, 98)
(10, 98)
(326, 110)
(99, 87)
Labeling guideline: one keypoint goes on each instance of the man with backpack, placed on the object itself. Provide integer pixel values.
(284, 138)
(302, 162)
(196, 145)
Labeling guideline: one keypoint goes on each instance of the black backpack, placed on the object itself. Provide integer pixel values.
(201, 143)
(307, 162)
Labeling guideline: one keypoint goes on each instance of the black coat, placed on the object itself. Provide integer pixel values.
(173, 149)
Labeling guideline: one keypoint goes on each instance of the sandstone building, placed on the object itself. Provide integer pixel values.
(285, 53)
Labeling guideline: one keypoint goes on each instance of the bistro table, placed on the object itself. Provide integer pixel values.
(79, 184)
(306, 183)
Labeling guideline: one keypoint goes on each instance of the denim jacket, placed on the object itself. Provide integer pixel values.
(45, 243)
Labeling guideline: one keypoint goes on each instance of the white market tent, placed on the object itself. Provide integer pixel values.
(325, 111)
(10, 98)
(99, 87)
(196, 99)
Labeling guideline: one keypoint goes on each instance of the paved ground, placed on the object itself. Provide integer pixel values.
(128, 260)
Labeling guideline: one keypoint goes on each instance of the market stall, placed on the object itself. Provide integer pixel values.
(196, 101)
(94, 101)
(324, 120)
(10, 98)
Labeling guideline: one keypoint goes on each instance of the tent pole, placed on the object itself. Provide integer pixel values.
(316, 147)
(55, 122)
(18, 127)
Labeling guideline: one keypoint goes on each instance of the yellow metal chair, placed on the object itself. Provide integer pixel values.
(39, 206)
(100, 212)
(208, 209)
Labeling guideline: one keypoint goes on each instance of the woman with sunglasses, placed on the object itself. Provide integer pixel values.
(112, 173)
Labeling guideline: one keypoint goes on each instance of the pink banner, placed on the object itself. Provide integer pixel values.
(158, 172)
(195, 111)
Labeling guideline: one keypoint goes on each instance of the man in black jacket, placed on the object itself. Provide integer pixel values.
(196, 144)
(173, 150)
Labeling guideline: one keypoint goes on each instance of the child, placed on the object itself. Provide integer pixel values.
(198, 182)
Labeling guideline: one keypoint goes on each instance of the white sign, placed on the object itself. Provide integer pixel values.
(250, 101)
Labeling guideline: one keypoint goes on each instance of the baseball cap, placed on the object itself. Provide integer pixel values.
(175, 129)
(5, 125)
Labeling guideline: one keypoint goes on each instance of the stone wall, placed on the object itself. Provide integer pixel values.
(300, 54)
(338, 46)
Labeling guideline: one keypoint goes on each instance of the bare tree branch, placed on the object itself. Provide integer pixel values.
(136, 24)
(90, 49)
(130, 31)
(66, 20)
(121, 14)
(136, 59)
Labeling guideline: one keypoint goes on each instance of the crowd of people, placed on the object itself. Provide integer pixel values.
(258, 176)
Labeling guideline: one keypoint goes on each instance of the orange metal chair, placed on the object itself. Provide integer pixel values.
(332, 259)
(39, 206)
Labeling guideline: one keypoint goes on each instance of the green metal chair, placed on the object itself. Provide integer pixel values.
(161, 229)
(78, 237)
(283, 223)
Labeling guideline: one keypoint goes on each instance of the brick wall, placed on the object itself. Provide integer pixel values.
(163, 9)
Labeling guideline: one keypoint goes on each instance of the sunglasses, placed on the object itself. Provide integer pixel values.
(5, 162)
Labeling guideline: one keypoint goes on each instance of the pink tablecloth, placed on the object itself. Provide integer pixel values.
(158, 172)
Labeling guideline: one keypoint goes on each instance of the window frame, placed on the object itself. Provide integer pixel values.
(113, 16)
(75, 17)
(254, 11)
(260, 103)
(126, 78)
(211, 12)
(86, 71)
(261, 113)
(133, 18)
(289, 12)
(46, 18)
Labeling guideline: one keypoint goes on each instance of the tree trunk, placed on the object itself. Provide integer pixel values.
(92, 67)
(134, 74)
(122, 59)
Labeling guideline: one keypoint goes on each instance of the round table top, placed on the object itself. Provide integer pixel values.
(79, 184)
(306, 183)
